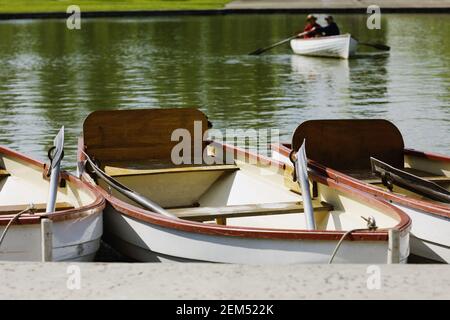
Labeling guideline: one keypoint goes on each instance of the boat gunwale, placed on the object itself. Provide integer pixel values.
(423, 205)
(147, 216)
(94, 208)
(345, 35)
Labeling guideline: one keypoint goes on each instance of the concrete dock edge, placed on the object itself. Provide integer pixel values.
(217, 281)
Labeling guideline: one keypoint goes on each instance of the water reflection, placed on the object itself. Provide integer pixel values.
(52, 76)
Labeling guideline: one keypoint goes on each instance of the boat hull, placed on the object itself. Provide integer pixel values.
(146, 242)
(75, 231)
(342, 46)
(73, 240)
(430, 232)
(211, 215)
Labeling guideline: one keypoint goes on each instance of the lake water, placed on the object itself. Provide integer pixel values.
(51, 76)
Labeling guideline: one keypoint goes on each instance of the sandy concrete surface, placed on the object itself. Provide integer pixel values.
(216, 281)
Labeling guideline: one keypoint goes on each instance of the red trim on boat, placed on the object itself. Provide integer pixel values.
(427, 155)
(257, 233)
(96, 207)
(426, 206)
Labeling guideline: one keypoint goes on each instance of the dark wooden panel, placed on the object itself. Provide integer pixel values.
(349, 144)
(121, 135)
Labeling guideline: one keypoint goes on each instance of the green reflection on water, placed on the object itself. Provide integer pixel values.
(53, 76)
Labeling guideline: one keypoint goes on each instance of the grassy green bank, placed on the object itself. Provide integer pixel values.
(36, 6)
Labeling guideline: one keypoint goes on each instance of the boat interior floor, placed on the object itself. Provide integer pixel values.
(16, 195)
(214, 193)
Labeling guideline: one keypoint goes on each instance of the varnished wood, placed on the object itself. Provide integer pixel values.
(123, 135)
(348, 144)
(211, 213)
(221, 221)
(120, 172)
(39, 207)
(4, 173)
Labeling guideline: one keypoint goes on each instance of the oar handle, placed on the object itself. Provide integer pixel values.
(130, 194)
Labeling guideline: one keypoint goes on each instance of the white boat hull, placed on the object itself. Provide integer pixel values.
(146, 242)
(75, 231)
(423, 243)
(342, 46)
(433, 245)
(212, 216)
(73, 240)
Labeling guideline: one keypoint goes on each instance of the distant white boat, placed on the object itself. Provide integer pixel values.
(342, 46)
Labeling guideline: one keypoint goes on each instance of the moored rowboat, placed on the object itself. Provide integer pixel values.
(76, 225)
(343, 149)
(224, 211)
(342, 46)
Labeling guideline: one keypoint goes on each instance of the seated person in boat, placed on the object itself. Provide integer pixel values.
(311, 26)
(331, 29)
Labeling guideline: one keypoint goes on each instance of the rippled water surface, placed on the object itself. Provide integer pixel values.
(51, 76)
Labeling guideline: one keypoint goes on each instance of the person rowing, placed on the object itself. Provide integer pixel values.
(310, 27)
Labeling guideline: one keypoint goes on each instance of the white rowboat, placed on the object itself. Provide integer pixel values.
(232, 212)
(72, 232)
(342, 46)
(342, 148)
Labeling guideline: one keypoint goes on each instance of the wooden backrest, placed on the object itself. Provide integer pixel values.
(124, 135)
(348, 144)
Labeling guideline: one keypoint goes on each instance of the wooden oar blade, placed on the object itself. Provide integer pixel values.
(381, 46)
(378, 46)
(256, 52)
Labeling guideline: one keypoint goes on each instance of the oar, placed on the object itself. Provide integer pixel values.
(378, 46)
(131, 194)
(301, 170)
(55, 154)
(261, 50)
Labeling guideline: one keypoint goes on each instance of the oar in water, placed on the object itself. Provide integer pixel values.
(55, 154)
(127, 192)
(261, 50)
(378, 46)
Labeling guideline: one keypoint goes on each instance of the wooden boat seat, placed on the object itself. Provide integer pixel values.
(39, 207)
(222, 213)
(369, 177)
(120, 172)
(4, 173)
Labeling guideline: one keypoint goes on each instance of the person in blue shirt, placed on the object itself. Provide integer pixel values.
(331, 29)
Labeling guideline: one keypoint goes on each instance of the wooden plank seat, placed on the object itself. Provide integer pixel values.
(39, 207)
(222, 213)
(4, 173)
(120, 171)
